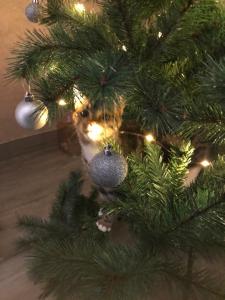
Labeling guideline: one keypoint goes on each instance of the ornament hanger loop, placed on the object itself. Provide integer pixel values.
(108, 150)
(28, 97)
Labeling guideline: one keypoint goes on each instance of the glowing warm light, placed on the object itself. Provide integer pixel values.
(205, 163)
(95, 131)
(124, 48)
(53, 67)
(62, 102)
(80, 8)
(159, 35)
(149, 138)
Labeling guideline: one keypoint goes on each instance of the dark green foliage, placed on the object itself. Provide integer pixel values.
(167, 211)
(74, 209)
(73, 260)
(161, 73)
(209, 124)
(163, 105)
(103, 77)
(212, 81)
(166, 59)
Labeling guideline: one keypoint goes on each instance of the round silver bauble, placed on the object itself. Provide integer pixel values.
(32, 12)
(108, 169)
(31, 114)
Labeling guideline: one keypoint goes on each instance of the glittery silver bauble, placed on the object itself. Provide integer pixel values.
(108, 169)
(31, 114)
(32, 11)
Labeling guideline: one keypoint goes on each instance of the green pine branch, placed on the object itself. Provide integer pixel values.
(166, 212)
(153, 54)
(207, 123)
(113, 272)
(74, 259)
(212, 81)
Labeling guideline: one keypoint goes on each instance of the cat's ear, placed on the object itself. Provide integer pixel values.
(82, 104)
(81, 110)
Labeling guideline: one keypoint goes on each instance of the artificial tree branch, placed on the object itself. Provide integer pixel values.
(154, 201)
(122, 10)
(197, 285)
(197, 213)
(41, 89)
(170, 30)
(70, 84)
(64, 16)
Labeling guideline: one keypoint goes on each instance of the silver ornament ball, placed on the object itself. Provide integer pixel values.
(31, 114)
(32, 12)
(108, 169)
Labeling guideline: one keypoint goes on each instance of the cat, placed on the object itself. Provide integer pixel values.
(108, 124)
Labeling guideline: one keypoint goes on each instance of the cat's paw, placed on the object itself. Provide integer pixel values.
(105, 222)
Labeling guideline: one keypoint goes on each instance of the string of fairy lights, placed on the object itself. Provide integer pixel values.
(29, 107)
(95, 131)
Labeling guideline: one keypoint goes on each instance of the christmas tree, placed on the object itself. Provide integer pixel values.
(145, 82)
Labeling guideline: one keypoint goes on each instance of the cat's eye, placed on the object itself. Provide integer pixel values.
(84, 113)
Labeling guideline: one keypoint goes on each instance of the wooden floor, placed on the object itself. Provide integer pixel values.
(28, 184)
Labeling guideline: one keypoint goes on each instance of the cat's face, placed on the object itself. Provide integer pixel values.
(96, 125)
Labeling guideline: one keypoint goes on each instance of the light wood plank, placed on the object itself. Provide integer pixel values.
(28, 186)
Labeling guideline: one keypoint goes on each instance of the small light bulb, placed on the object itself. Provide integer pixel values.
(159, 34)
(124, 48)
(80, 8)
(95, 131)
(62, 102)
(149, 138)
(205, 163)
(53, 67)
